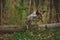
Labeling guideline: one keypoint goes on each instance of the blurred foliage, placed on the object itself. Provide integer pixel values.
(16, 15)
(17, 11)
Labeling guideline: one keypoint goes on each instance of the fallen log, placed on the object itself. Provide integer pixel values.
(11, 28)
(15, 28)
(53, 25)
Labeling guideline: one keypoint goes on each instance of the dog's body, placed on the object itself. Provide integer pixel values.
(31, 16)
(34, 15)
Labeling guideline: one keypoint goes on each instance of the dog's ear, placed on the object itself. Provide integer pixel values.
(44, 11)
(37, 13)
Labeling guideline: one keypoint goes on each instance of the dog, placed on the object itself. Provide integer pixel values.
(35, 14)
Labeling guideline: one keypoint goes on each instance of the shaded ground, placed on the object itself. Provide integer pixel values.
(33, 34)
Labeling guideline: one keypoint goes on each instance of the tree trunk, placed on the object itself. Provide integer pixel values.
(56, 6)
(36, 3)
(0, 12)
(50, 14)
(22, 2)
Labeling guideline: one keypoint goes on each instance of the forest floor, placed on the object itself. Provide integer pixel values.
(33, 34)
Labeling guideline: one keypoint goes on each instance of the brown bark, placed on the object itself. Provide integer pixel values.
(56, 6)
(0, 12)
(2, 4)
(15, 28)
(50, 14)
(36, 3)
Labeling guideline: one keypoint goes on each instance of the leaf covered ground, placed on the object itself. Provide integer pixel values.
(34, 34)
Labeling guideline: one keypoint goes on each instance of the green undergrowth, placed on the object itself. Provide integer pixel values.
(38, 34)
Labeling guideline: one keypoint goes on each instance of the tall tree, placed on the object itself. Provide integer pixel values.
(36, 3)
(2, 4)
(0, 12)
(56, 5)
(50, 12)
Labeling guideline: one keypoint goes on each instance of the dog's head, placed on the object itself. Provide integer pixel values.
(36, 15)
(40, 12)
